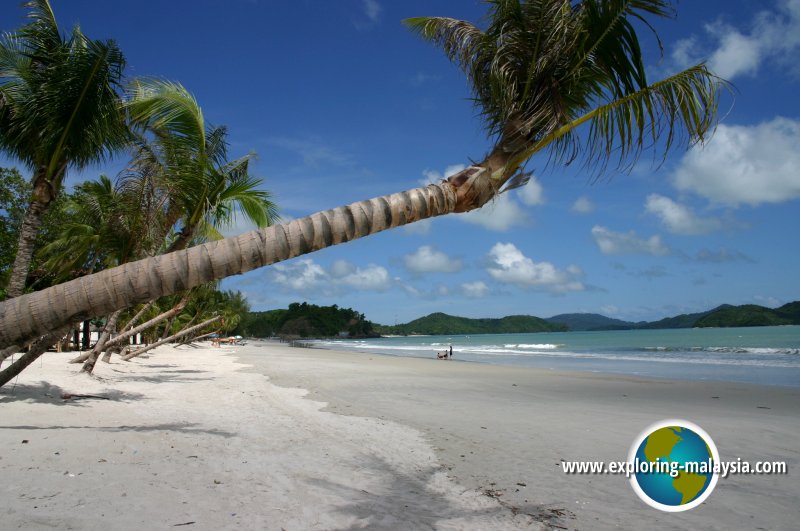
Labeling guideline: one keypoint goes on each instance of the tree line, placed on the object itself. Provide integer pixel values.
(306, 320)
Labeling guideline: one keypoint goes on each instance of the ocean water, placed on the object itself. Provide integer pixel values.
(760, 355)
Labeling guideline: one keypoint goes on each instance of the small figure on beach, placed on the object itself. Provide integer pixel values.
(441, 355)
(451, 351)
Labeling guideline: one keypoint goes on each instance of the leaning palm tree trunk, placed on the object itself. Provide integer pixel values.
(182, 333)
(26, 317)
(111, 325)
(8, 351)
(35, 349)
(42, 198)
(139, 314)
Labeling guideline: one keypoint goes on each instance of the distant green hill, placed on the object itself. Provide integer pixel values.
(685, 320)
(590, 321)
(443, 324)
(751, 315)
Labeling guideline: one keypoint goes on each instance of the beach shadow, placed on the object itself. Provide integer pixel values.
(47, 393)
(182, 427)
(161, 376)
(408, 502)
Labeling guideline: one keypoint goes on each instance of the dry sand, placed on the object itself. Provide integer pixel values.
(230, 439)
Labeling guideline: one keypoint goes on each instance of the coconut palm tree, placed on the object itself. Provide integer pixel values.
(187, 160)
(539, 71)
(59, 110)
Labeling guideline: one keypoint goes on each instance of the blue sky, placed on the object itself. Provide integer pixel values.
(342, 103)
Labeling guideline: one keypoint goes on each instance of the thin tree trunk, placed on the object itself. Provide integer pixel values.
(141, 351)
(167, 328)
(178, 308)
(138, 315)
(111, 325)
(41, 199)
(193, 339)
(86, 339)
(25, 317)
(35, 349)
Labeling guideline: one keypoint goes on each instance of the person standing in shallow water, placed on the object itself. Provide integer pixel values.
(451, 351)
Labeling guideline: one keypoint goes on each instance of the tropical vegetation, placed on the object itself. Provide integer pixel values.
(562, 80)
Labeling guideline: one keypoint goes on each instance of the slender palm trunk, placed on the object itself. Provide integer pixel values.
(182, 333)
(35, 349)
(111, 325)
(139, 314)
(9, 351)
(101, 293)
(41, 199)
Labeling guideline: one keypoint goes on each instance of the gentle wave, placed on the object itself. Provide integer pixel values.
(729, 350)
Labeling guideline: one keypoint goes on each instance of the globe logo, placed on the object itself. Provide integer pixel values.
(673, 463)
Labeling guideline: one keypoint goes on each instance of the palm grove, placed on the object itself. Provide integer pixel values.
(559, 79)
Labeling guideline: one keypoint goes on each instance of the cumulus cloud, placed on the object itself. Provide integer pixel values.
(428, 259)
(508, 265)
(301, 275)
(745, 164)
(679, 219)
(532, 193)
(772, 35)
(500, 214)
(475, 290)
(611, 242)
(305, 275)
(582, 205)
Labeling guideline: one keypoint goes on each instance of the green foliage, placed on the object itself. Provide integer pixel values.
(443, 324)
(751, 315)
(541, 68)
(15, 194)
(60, 105)
(590, 321)
(306, 320)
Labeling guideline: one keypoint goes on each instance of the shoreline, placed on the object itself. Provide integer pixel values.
(494, 427)
(275, 436)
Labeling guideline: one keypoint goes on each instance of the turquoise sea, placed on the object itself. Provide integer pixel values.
(760, 355)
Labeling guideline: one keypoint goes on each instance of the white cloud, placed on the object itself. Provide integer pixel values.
(373, 10)
(508, 265)
(499, 214)
(582, 205)
(532, 194)
(475, 290)
(421, 227)
(302, 275)
(435, 177)
(305, 275)
(745, 164)
(679, 219)
(371, 278)
(427, 259)
(773, 35)
(611, 242)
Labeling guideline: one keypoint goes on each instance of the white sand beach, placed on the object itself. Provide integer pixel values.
(271, 437)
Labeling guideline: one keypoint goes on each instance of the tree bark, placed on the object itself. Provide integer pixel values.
(111, 325)
(35, 349)
(28, 316)
(139, 315)
(9, 351)
(41, 199)
(141, 351)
